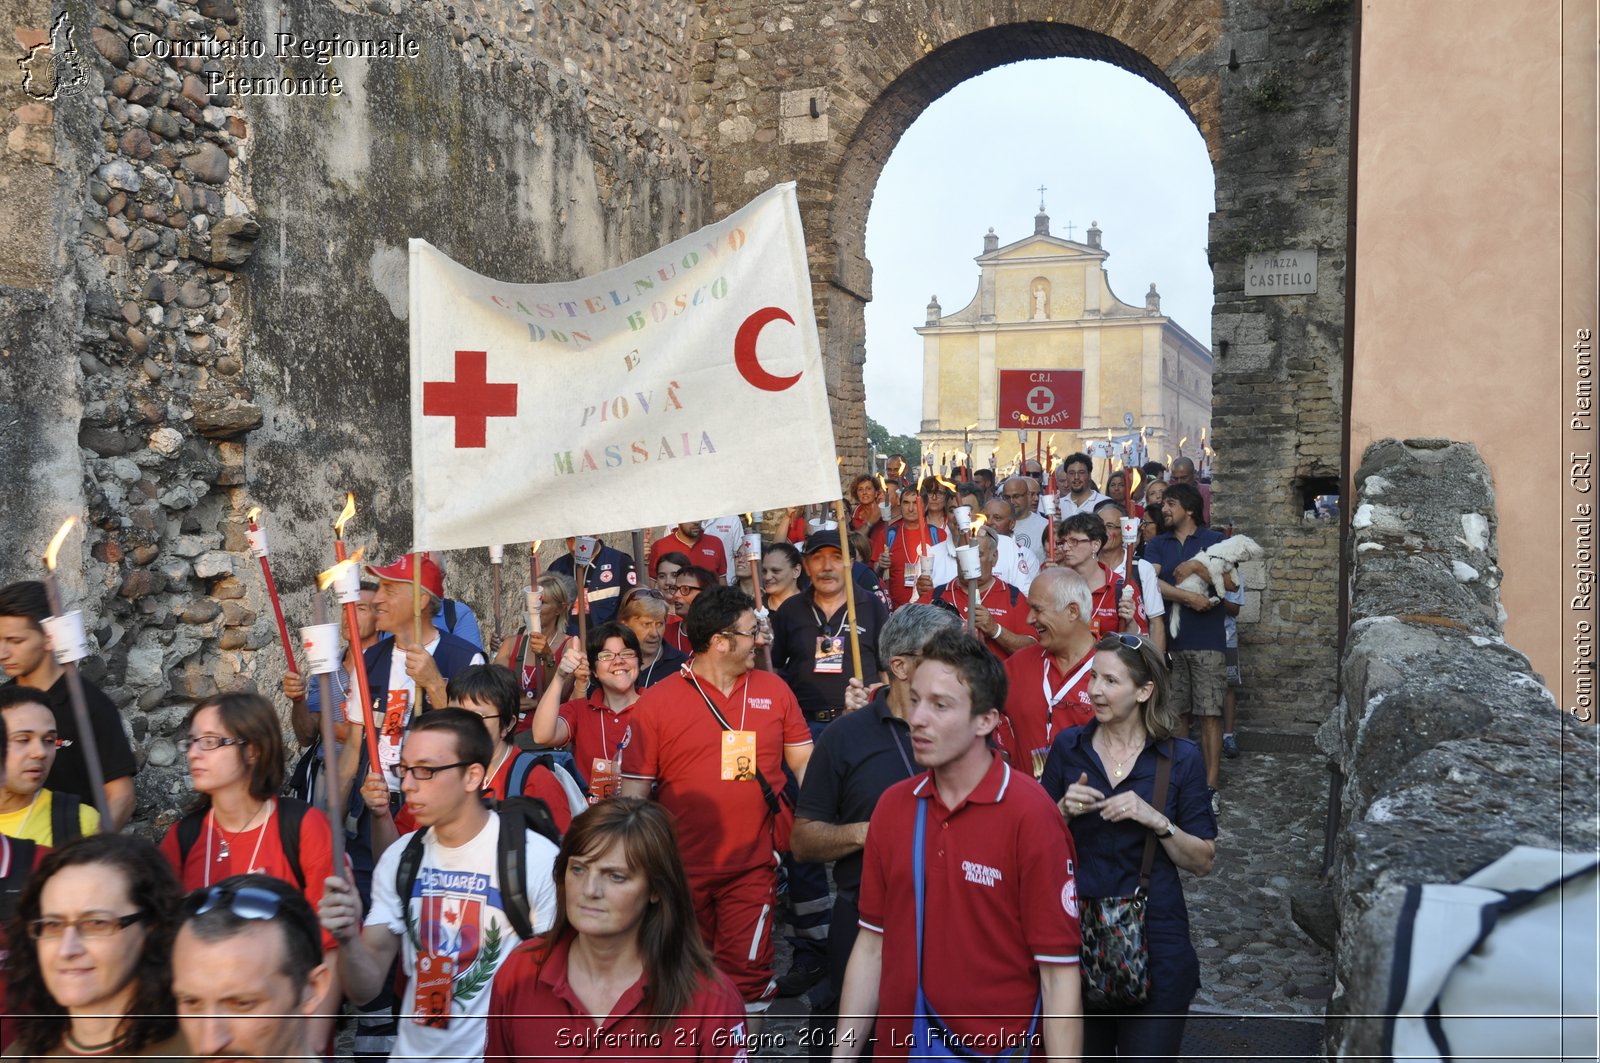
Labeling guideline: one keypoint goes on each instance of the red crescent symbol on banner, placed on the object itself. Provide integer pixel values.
(744, 350)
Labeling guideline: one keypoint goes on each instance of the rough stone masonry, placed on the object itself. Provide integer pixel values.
(202, 296)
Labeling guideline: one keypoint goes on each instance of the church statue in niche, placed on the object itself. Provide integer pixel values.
(1041, 300)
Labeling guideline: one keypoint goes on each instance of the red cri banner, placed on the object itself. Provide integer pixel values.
(1040, 400)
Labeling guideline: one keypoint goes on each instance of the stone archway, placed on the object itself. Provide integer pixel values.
(821, 94)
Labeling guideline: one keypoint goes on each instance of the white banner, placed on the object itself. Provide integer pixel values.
(682, 386)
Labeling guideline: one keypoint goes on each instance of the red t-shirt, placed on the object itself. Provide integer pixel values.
(216, 855)
(597, 733)
(534, 1014)
(1006, 604)
(905, 543)
(707, 552)
(1033, 724)
(673, 635)
(1001, 899)
(1104, 619)
(723, 825)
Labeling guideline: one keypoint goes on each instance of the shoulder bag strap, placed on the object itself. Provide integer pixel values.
(773, 807)
(918, 878)
(1163, 777)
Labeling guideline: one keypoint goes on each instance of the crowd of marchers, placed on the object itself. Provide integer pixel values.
(949, 743)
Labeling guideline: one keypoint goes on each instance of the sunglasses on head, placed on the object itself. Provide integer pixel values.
(1123, 639)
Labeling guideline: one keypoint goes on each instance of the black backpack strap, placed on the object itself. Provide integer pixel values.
(521, 768)
(518, 815)
(16, 861)
(64, 822)
(405, 877)
(291, 814)
(189, 833)
(450, 615)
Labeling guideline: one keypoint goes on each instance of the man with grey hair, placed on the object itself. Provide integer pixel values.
(1047, 684)
(858, 757)
(1183, 473)
(1029, 528)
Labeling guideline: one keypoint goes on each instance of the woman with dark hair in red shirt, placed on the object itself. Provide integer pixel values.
(623, 974)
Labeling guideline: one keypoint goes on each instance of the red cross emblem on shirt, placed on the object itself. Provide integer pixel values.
(470, 399)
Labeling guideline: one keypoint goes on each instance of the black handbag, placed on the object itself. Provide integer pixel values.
(1115, 956)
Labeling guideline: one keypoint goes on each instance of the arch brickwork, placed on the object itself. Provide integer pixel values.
(820, 94)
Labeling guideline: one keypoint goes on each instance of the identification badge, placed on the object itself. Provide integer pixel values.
(738, 756)
(830, 655)
(1039, 756)
(605, 779)
(436, 979)
(391, 732)
(910, 578)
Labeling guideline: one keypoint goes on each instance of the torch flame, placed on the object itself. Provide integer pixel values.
(1133, 483)
(254, 512)
(533, 547)
(978, 522)
(332, 575)
(55, 544)
(345, 514)
(948, 486)
(1181, 442)
(1202, 435)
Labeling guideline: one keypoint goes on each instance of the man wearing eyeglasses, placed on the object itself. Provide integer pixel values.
(29, 809)
(1029, 527)
(452, 932)
(1118, 605)
(261, 1009)
(695, 726)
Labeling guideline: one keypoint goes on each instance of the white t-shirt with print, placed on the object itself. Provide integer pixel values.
(456, 909)
(400, 679)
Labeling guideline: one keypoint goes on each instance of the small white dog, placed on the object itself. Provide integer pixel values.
(1219, 560)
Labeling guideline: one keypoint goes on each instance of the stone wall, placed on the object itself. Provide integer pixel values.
(1277, 387)
(1450, 748)
(240, 335)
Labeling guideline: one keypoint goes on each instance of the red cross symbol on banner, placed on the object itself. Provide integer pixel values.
(470, 399)
(1041, 399)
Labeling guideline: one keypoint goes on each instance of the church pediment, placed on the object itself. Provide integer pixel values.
(1040, 246)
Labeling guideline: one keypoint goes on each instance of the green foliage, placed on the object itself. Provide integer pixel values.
(1271, 91)
(884, 443)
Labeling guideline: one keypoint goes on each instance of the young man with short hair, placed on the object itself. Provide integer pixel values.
(25, 655)
(694, 728)
(1078, 493)
(248, 972)
(1001, 940)
(28, 808)
(452, 932)
(1199, 667)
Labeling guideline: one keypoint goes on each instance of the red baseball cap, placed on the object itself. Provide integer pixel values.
(399, 571)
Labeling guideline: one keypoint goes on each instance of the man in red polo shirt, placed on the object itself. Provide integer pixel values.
(695, 729)
(1001, 901)
(1002, 611)
(691, 540)
(1118, 604)
(1048, 683)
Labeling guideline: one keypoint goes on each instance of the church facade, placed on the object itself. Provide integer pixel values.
(1045, 303)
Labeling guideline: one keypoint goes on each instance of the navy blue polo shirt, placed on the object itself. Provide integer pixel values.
(610, 577)
(1109, 854)
(667, 662)
(798, 624)
(858, 757)
(1197, 631)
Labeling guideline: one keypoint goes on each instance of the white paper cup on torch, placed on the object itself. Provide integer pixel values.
(752, 545)
(497, 555)
(1130, 529)
(535, 604)
(963, 516)
(67, 639)
(883, 511)
(321, 645)
(347, 585)
(1047, 505)
(967, 562)
(257, 538)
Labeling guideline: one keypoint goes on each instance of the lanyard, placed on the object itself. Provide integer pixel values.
(1054, 699)
(211, 821)
(688, 673)
(899, 747)
(822, 623)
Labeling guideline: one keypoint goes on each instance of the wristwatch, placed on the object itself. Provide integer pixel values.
(1172, 828)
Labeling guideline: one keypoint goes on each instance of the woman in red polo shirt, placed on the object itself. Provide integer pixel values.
(623, 974)
(598, 727)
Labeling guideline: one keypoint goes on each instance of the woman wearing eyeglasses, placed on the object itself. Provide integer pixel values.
(1104, 776)
(624, 964)
(239, 824)
(598, 727)
(89, 972)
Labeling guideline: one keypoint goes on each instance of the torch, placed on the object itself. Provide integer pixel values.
(69, 645)
(970, 568)
(257, 537)
(497, 557)
(850, 584)
(321, 644)
(349, 603)
(535, 594)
